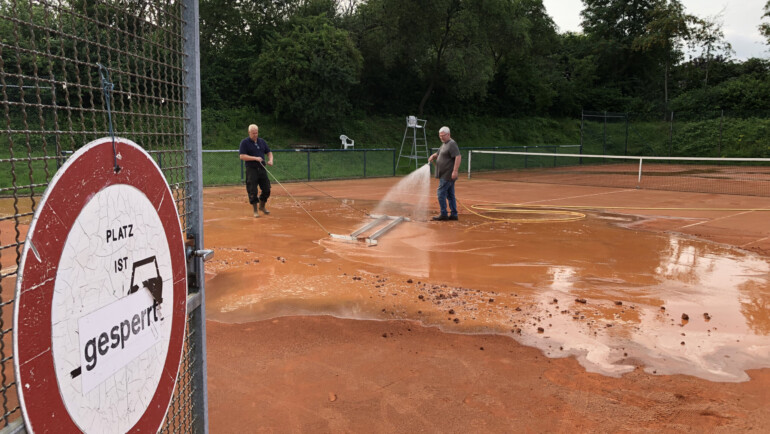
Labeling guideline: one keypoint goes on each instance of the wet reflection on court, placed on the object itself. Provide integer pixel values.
(599, 289)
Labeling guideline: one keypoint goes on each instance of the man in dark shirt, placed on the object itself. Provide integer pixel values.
(447, 166)
(253, 151)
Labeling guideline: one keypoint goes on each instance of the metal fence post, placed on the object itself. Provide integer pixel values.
(526, 150)
(197, 317)
(671, 136)
(582, 121)
(604, 135)
(625, 152)
(721, 122)
(493, 161)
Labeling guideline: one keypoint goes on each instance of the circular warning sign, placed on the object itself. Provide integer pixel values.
(101, 296)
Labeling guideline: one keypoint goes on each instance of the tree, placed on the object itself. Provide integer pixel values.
(577, 77)
(613, 26)
(764, 28)
(709, 37)
(306, 74)
(23, 40)
(437, 40)
(456, 50)
(233, 33)
(227, 47)
(522, 38)
(667, 30)
(744, 87)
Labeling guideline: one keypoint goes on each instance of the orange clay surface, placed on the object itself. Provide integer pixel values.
(626, 320)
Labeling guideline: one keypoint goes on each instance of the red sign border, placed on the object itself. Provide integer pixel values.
(87, 172)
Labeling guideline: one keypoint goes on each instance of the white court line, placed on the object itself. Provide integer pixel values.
(754, 242)
(580, 196)
(9, 270)
(714, 220)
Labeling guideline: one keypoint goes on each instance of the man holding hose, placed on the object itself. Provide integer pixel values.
(253, 151)
(447, 166)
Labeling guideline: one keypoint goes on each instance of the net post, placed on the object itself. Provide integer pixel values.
(639, 178)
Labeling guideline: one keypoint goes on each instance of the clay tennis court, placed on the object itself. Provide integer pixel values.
(649, 317)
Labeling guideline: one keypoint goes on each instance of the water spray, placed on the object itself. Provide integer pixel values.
(382, 222)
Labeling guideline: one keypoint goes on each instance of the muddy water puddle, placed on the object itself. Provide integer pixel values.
(597, 289)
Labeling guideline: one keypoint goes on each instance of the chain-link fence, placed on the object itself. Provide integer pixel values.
(708, 133)
(223, 167)
(53, 101)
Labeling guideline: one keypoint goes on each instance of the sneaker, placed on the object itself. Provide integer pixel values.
(452, 217)
(440, 218)
(254, 206)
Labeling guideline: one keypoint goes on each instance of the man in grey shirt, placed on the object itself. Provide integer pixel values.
(447, 165)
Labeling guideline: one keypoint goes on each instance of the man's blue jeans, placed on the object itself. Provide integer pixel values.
(446, 192)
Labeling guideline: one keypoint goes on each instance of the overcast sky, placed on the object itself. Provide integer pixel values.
(740, 21)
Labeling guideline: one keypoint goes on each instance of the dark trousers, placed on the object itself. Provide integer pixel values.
(446, 193)
(256, 180)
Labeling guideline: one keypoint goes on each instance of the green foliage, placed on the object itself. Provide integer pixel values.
(307, 74)
(314, 62)
(436, 41)
(764, 28)
(528, 72)
(229, 44)
(614, 27)
(705, 134)
(750, 90)
(730, 137)
(224, 129)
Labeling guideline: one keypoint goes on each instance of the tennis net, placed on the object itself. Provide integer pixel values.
(738, 176)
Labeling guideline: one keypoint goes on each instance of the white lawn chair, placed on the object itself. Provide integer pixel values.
(412, 122)
(347, 142)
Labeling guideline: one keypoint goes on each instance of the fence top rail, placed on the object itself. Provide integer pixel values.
(627, 157)
(477, 148)
(304, 150)
(519, 147)
(608, 115)
(392, 149)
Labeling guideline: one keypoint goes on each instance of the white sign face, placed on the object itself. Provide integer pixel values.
(112, 310)
(114, 336)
